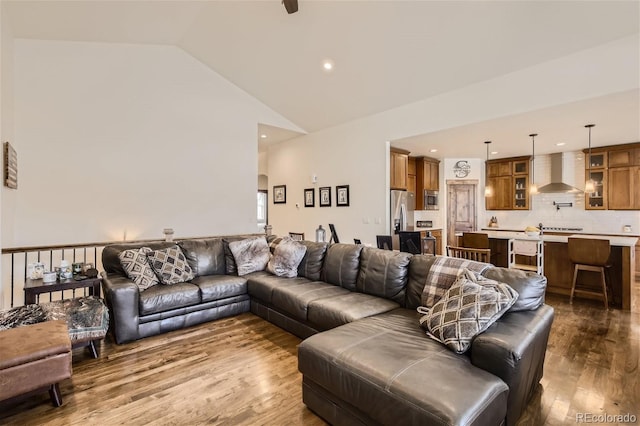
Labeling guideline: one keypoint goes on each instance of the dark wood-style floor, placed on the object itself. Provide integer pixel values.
(243, 370)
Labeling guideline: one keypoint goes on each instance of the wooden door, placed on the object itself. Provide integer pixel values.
(461, 209)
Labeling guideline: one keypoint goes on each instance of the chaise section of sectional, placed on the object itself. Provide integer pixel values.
(384, 370)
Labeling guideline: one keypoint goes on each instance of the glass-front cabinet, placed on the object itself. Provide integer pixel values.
(597, 162)
(521, 192)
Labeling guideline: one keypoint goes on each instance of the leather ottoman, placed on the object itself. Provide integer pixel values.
(33, 357)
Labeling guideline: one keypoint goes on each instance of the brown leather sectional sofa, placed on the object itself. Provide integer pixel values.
(365, 358)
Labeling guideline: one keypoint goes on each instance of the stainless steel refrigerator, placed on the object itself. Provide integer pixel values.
(402, 206)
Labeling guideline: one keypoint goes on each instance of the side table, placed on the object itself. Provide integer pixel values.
(33, 288)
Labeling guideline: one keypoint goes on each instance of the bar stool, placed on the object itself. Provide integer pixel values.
(590, 255)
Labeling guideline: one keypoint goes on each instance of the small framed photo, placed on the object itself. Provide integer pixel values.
(279, 194)
(309, 197)
(325, 196)
(342, 195)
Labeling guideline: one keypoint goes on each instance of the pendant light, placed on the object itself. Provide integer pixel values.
(533, 188)
(488, 191)
(590, 185)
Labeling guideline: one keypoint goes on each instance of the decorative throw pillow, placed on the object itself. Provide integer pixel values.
(286, 257)
(251, 254)
(467, 309)
(170, 265)
(136, 266)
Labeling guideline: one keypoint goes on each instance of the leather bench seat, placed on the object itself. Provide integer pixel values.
(331, 312)
(389, 369)
(216, 287)
(261, 284)
(160, 298)
(295, 299)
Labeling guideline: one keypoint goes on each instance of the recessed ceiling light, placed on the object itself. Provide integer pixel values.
(263, 136)
(494, 152)
(433, 150)
(327, 65)
(561, 144)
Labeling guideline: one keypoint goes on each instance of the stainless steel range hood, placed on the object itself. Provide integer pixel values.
(557, 179)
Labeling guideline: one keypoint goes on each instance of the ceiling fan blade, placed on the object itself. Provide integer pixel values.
(290, 5)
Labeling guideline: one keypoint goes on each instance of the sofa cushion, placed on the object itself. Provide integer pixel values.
(467, 309)
(111, 261)
(341, 265)
(162, 298)
(295, 299)
(311, 264)
(443, 273)
(229, 261)
(331, 312)
(136, 265)
(261, 284)
(216, 287)
(529, 285)
(250, 254)
(419, 267)
(385, 367)
(383, 273)
(205, 256)
(286, 258)
(170, 265)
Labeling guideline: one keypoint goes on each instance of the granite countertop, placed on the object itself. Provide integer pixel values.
(508, 235)
(607, 234)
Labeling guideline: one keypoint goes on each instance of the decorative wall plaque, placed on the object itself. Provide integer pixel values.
(461, 169)
(10, 166)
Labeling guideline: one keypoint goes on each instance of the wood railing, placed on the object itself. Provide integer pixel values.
(15, 262)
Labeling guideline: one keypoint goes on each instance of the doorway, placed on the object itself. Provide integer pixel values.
(462, 211)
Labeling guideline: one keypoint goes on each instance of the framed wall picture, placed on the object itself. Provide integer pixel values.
(10, 166)
(279, 194)
(325, 196)
(309, 197)
(342, 195)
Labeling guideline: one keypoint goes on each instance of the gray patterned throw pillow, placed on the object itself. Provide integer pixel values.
(286, 257)
(136, 265)
(251, 254)
(467, 309)
(170, 265)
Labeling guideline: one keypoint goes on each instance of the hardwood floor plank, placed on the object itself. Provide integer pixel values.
(244, 371)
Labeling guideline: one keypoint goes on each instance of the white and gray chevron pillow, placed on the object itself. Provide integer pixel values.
(136, 265)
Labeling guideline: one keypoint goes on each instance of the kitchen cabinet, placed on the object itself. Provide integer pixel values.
(427, 178)
(624, 188)
(411, 176)
(597, 200)
(399, 159)
(616, 172)
(508, 180)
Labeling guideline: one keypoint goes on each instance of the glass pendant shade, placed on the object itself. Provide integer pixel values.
(488, 191)
(589, 185)
(533, 188)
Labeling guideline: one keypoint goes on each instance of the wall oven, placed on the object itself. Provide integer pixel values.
(431, 200)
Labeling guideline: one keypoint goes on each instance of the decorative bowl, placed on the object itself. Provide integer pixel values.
(532, 233)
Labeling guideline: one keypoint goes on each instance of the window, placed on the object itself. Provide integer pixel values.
(262, 209)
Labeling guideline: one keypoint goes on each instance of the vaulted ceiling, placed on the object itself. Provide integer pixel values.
(386, 53)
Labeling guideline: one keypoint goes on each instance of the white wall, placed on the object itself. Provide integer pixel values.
(355, 153)
(120, 140)
(6, 109)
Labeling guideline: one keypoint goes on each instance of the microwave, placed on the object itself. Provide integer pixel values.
(431, 200)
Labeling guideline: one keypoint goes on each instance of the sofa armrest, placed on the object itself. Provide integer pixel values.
(513, 348)
(122, 296)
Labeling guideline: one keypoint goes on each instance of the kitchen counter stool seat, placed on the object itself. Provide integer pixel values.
(590, 255)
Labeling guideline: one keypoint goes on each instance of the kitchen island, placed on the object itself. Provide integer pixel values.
(559, 270)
